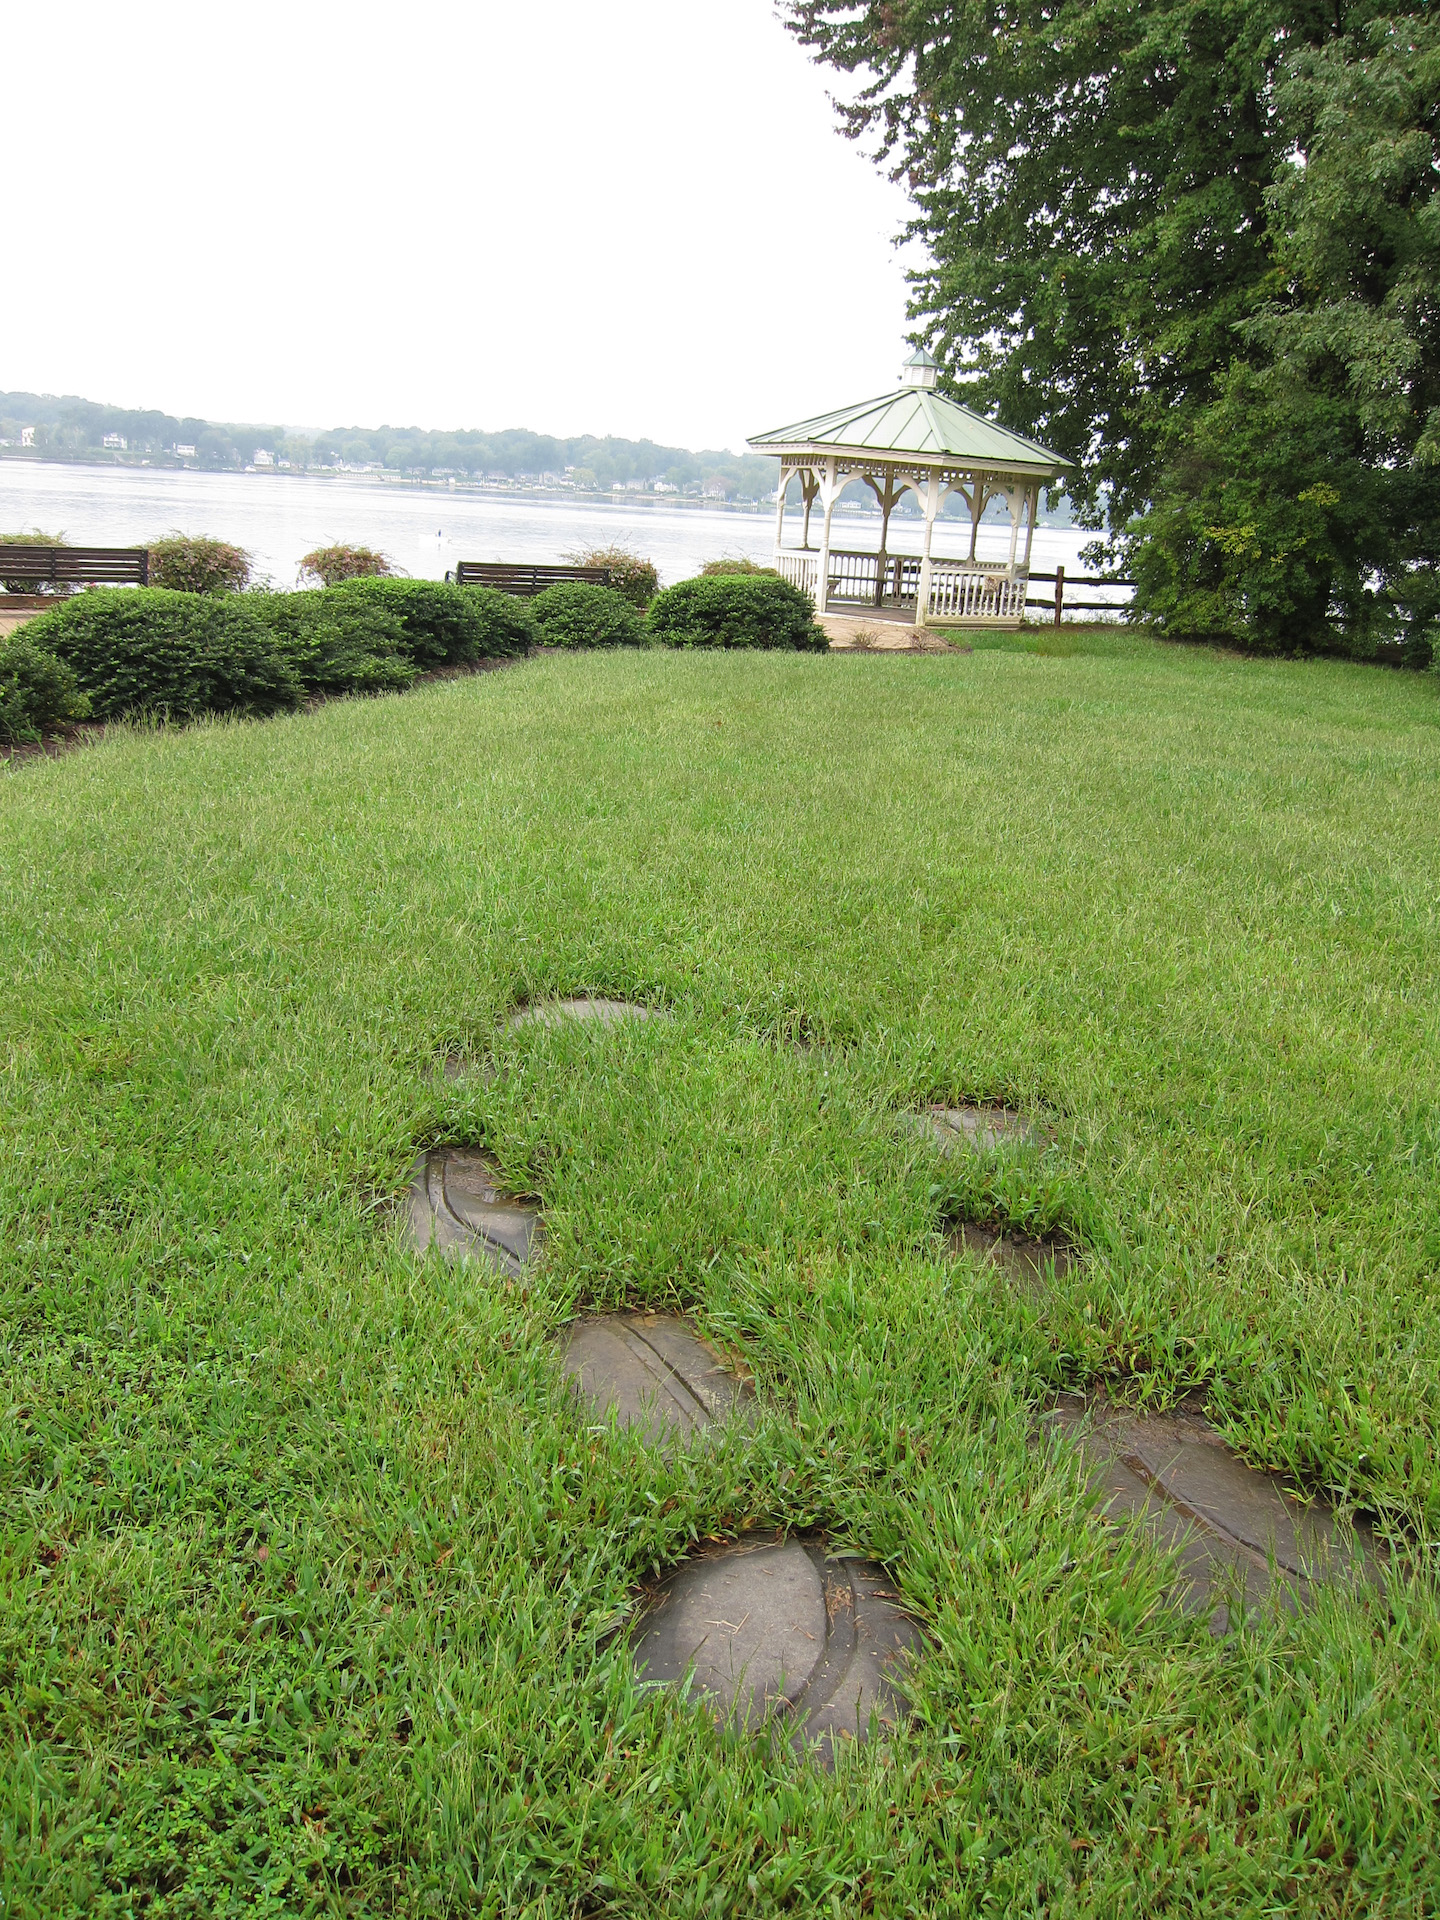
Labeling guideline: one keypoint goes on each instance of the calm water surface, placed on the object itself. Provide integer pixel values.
(279, 517)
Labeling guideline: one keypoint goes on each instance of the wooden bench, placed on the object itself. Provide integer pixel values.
(523, 580)
(24, 566)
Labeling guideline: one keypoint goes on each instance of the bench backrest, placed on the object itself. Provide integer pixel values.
(108, 565)
(522, 579)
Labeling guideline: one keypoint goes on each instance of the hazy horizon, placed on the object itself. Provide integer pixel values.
(638, 221)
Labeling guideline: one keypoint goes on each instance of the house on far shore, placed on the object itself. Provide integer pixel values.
(183, 453)
(27, 436)
(263, 458)
(116, 440)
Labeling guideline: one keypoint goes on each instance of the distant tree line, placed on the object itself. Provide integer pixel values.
(73, 429)
(1194, 245)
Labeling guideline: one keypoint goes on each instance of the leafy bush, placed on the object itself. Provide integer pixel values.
(39, 693)
(444, 625)
(575, 614)
(149, 650)
(736, 610)
(330, 565)
(631, 574)
(334, 645)
(51, 589)
(198, 565)
(735, 563)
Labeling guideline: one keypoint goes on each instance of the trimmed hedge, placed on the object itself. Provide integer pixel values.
(39, 693)
(150, 650)
(736, 610)
(444, 625)
(330, 645)
(578, 614)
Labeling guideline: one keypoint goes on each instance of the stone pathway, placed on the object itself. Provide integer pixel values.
(981, 1128)
(554, 1013)
(457, 1203)
(1239, 1536)
(651, 1370)
(812, 1645)
(1023, 1256)
(783, 1633)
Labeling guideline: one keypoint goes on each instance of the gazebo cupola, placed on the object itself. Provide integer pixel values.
(912, 438)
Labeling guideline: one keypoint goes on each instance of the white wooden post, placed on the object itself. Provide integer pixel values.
(922, 592)
(828, 491)
(1012, 500)
(1032, 502)
(780, 513)
(977, 507)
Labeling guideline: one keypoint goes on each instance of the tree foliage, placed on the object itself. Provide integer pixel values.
(1190, 244)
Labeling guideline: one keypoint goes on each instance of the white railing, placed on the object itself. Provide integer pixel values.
(801, 569)
(971, 592)
(959, 589)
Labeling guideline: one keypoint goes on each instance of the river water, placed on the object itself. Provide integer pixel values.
(277, 517)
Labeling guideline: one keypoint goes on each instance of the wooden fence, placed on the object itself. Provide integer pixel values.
(1061, 605)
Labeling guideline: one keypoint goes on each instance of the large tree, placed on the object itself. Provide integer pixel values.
(1113, 199)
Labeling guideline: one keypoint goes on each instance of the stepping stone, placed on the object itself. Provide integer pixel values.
(1234, 1528)
(458, 1204)
(653, 1371)
(783, 1635)
(1027, 1258)
(982, 1129)
(553, 1013)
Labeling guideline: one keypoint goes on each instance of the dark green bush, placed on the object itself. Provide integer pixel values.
(575, 614)
(39, 693)
(445, 625)
(736, 610)
(149, 650)
(334, 645)
(193, 564)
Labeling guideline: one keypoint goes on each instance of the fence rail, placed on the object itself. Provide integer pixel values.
(1061, 605)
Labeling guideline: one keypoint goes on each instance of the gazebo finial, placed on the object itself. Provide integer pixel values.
(919, 370)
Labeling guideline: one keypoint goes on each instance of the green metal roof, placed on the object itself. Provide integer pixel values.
(915, 423)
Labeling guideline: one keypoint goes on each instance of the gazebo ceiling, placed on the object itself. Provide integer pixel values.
(915, 426)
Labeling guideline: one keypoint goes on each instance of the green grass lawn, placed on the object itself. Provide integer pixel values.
(311, 1573)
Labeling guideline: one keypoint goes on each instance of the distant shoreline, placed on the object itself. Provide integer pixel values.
(623, 497)
(515, 489)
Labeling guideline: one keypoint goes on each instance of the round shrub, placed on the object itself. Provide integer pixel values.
(576, 614)
(334, 645)
(198, 565)
(632, 576)
(39, 693)
(149, 650)
(444, 625)
(735, 563)
(736, 610)
(330, 565)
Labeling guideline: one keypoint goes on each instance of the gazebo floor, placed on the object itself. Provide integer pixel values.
(884, 630)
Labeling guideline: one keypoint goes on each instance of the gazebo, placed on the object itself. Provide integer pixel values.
(913, 438)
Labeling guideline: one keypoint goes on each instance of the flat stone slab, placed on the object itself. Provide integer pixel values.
(652, 1370)
(458, 1204)
(1240, 1537)
(1028, 1259)
(783, 1635)
(554, 1013)
(982, 1129)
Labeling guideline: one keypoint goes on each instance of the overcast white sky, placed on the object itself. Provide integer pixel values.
(603, 216)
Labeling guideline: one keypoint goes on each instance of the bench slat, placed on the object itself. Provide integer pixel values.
(522, 578)
(130, 564)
